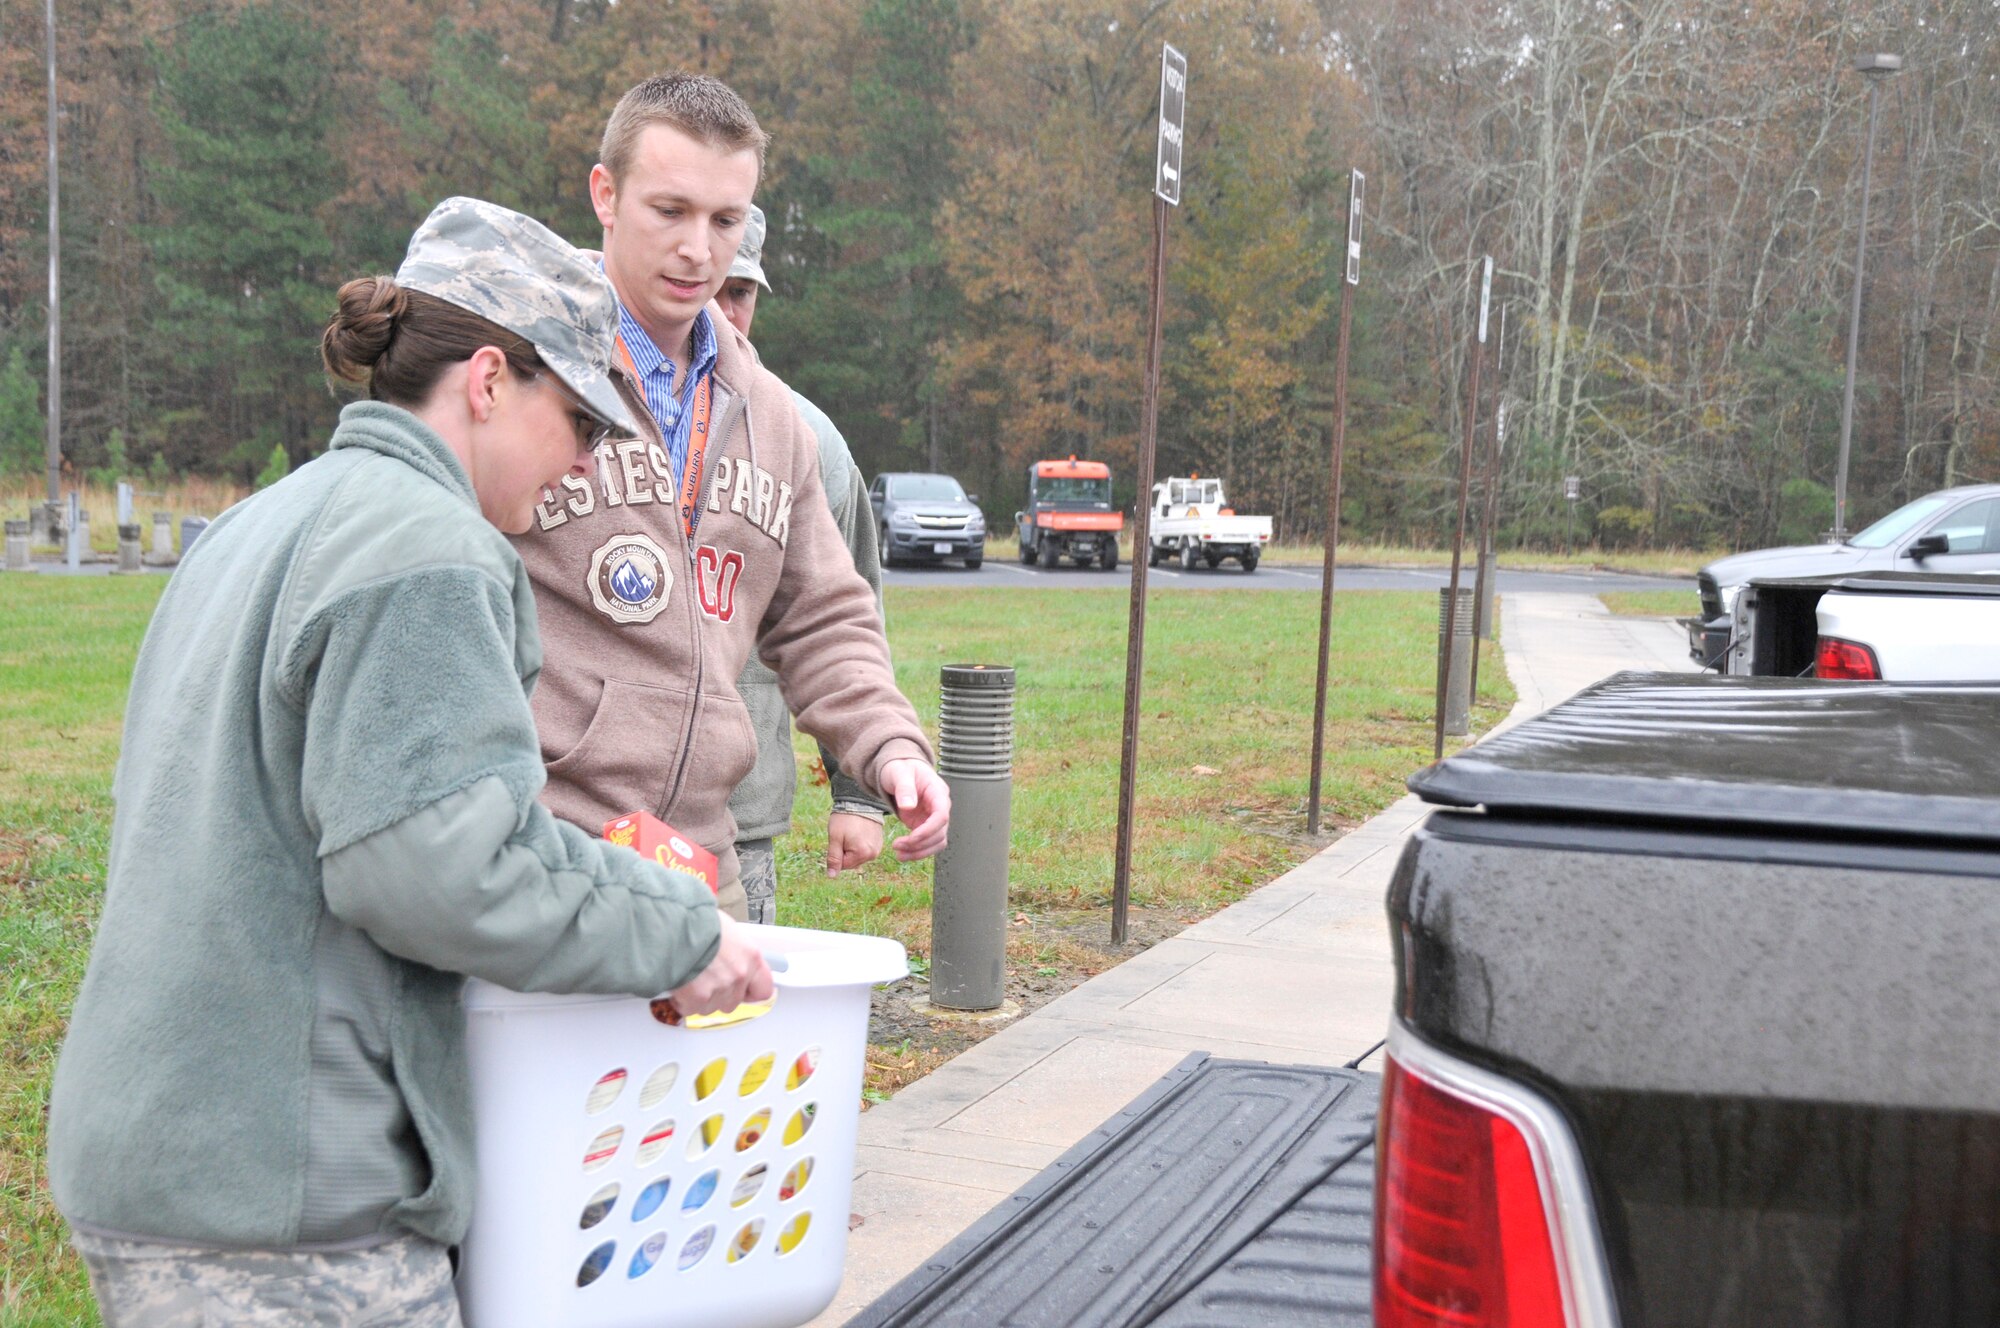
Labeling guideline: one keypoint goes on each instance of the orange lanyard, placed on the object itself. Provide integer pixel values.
(697, 444)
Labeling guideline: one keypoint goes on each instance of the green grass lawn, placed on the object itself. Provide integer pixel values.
(1652, 603)
(1224, 741)
(1224, 747)
(66, 649)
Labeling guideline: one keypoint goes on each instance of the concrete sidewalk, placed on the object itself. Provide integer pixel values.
(1299, 971)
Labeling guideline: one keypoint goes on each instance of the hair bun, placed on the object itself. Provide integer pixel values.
(362, 327)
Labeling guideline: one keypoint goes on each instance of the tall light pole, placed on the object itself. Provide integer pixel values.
(1874, 68)
(54, 449)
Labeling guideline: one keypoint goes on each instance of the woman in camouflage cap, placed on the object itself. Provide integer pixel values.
(326, 814)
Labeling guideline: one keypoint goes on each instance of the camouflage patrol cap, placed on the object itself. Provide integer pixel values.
(750, 254)
(516, 272)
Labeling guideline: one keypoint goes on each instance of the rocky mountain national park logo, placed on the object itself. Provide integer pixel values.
(630, 579)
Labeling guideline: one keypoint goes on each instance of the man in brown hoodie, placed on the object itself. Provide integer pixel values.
(708, 537)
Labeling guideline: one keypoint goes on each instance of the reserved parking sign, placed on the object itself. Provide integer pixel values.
(1173, 114)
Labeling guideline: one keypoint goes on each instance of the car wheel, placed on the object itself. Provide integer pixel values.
(1187, 557)
(1250, 561)
(887, 551)
(972, 564)
(1027, 554)
(1153, 555)
(1108, 560)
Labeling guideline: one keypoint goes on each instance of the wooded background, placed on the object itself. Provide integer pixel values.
(958, 192)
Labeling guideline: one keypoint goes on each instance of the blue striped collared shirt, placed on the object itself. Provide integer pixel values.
(656, 380)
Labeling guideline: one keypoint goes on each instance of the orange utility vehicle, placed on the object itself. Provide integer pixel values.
(1069, 513)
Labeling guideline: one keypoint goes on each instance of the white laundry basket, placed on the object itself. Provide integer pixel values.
(635, 1175)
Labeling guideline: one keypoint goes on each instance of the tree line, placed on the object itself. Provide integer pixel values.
(958, 198)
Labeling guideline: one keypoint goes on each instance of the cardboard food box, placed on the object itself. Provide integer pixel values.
(655, 839)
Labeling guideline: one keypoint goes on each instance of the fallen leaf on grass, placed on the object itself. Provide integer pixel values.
(1203, 770)
(883, 902)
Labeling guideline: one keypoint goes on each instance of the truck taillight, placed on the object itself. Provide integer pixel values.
(1845, 659)
(1469, 1224)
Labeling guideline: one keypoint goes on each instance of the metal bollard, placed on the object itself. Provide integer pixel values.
(128, 548)
(163, 535)
(17, 546)
(1458, 677)
(969, 887)
(76, 548)
(1489, 572)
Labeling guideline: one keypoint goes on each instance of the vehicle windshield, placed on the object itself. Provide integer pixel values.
(926, 489)
(1067, 489)
(1899, 523)
(1194, 491)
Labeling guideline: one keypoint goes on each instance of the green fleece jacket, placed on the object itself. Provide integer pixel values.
(326, 814)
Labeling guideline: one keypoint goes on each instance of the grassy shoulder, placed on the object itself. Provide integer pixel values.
(1001, 545)
(1651, 603)
(203, 497)
(179, 498)
(1224, 747)
(1634, 562)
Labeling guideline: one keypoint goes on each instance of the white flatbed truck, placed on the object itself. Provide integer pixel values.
(1192, 521)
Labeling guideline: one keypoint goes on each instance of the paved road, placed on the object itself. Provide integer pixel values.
(1271, 577)
(1227, 577)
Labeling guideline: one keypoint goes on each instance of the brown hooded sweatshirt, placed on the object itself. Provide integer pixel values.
(645, 631)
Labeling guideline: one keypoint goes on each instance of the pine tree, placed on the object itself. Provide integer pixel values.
(242, 249)
(23, 430)
(862, 299)
(276, 467)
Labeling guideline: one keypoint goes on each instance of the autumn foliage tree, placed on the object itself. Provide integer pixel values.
(958, 192)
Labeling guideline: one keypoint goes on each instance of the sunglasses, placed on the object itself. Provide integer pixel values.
(591, 432)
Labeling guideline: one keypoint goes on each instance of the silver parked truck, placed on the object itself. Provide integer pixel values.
(927, 518)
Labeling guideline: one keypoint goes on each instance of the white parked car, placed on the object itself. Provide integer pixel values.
(1899, 626)
(1907, 631)
(1951, 531)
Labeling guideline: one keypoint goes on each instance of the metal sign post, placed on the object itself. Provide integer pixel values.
(1166, 192)
(1489, 562)
(1357, 183)
(1572, 490)
(1447, 640)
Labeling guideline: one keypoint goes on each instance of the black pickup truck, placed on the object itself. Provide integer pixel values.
(1697, 1025)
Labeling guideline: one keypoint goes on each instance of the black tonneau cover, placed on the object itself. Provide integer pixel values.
(1904, 760)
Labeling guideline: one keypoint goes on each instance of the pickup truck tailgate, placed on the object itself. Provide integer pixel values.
(1742, 933)
(1231, 1193)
